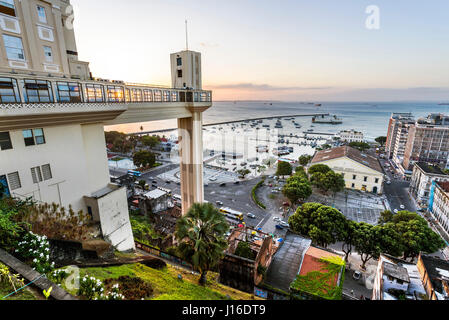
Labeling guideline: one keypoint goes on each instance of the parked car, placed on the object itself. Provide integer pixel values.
(276, 218)
(279, 227)
(252, 216)
(402, 206)
(388, 182)
(223, 185)
(219, 203)
(396, 211)
(356, 275)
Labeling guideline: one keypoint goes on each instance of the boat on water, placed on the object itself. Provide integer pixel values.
(262, 148)
(330, 119)
(318, 104)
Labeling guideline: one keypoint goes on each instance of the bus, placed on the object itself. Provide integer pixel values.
(232, 213)
(135, 173)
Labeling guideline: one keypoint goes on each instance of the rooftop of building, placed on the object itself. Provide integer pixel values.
(396, 271)
(415, 289)
(438, 271)
(349, 152)
(320, 265)
(443, 185)
(434, 119)
(287, 261)
(430, 169)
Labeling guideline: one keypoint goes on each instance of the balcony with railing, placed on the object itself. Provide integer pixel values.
(61, 99)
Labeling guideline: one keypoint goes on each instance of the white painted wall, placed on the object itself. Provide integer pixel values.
(350, 168)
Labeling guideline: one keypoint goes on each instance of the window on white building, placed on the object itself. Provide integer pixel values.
(8, 7)
(48, 54)
(14, 47)
(5, 141)
(33, 137)
(14, 181)
(41, 14)
(36, 174)
(46, 172)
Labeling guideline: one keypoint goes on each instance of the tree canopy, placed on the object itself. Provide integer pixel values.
(381, 140)
(284, 169)
(144, 158)
(297, 188)
(304, 159)
(329, 181)
(322, 168)
(361, 146)
(201, 234)
(320, 223)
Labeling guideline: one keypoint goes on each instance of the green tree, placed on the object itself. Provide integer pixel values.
(304, 160)
(347, 236)
(284, 169)
(361, 146)
(297, 189)
(144, 158)
(201, 234)
(244, 250)
(415, 234)
(243, 172)
(385, 217)
(322, 168)
(320, 223)
(300, 171)
(381, 140)
(330, 180)
(150, 141)
(366, 242)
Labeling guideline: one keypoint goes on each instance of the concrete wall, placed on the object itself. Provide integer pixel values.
(78, 161)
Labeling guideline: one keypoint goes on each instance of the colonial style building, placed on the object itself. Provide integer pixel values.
(421, 182)
(351, 136)
(361, 171)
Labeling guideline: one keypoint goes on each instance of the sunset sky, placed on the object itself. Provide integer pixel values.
(280, 50)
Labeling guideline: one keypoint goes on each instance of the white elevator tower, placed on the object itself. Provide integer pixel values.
(186, 70)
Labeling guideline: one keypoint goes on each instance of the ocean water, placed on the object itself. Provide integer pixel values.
(239, 138)
(371, 118)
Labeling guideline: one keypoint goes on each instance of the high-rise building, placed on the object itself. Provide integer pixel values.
(38, 37)
(428, 141)
(397, 135)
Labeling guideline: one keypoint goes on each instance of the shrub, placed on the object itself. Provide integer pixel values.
(57, 276)
(131, 288)
(254, 196)
(90, 288)
(156, 263)
(244, 250)
(35, 250)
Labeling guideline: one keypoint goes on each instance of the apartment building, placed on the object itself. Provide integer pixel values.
(422, 179)
(397, 134)
(439, 204)
(428, 141)
(351, 136)
(37, 37)
(361, 171)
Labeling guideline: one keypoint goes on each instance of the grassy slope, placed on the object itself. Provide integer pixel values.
(166, 284)
(21, 295)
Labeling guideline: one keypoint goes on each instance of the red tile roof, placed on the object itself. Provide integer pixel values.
(350, 153)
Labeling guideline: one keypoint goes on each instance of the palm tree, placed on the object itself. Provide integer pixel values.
(201, 233)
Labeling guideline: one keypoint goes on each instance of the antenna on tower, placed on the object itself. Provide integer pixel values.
(187, 38)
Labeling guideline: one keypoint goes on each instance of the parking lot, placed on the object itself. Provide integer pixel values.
(355, 205)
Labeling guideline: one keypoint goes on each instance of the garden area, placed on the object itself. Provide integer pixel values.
(137, 282)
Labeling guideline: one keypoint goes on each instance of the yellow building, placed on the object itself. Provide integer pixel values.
(361, 171)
